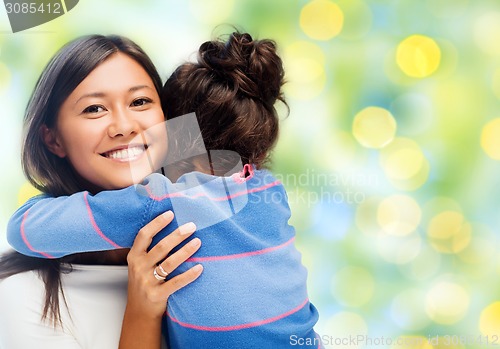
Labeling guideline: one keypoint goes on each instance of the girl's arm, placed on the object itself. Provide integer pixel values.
(53, 227)
(48, 227)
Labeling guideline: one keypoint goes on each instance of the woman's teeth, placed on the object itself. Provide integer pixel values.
(124, 154)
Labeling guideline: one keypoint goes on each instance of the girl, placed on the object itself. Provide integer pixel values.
(253, 289)
(95, 95)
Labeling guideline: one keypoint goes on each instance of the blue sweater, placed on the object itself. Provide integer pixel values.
(252, 292)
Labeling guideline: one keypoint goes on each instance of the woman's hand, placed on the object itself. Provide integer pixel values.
(147, 296)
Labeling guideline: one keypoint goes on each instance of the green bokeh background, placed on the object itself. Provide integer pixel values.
(364, 280)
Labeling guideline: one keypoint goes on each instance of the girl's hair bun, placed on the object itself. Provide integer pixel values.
(249, 67)
(233, 88)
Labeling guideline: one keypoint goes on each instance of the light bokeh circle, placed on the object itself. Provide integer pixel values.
(449, 232)
(321, 19)
(489, 320)
(447, 302)
(486, 30)
(399, 215)
(305, 66)
(405, 164)
(374, 127)
(490, 139)
(418, 56)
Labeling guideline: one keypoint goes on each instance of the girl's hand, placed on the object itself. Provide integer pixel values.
(147, 296)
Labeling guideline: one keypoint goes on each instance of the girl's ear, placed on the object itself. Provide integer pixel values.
(52, 141)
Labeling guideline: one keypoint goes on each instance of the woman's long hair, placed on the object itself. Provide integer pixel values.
(46, 171)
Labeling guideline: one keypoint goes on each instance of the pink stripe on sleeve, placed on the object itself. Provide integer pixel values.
(240, 255)
(95, 226)
(254, 190)
(242, 326)
(222, 198)
(25, 239)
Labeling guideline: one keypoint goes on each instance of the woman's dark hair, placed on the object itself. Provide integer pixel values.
(46, 171)
(232, 88)
(67, 69)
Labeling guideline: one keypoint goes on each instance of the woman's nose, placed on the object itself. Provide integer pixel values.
(122, 124)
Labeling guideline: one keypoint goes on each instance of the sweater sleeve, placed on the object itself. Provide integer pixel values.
(53, 227)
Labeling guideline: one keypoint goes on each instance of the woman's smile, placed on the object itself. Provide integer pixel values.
(107, 126)
(126, 153)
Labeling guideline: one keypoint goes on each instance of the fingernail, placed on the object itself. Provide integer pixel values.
(195, 242)
(168, 214)
(198, 268)
(187, 228)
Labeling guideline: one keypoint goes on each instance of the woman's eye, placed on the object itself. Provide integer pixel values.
(139, 102)
(93, 109)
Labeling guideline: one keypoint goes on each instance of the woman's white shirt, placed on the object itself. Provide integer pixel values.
(96, 297)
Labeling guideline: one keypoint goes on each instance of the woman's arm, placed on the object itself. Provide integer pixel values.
(147, 296)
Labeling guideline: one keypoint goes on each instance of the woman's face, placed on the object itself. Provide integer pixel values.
(101, 126)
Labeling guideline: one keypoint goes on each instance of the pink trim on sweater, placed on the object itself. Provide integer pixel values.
(222, 198)
(241, 177)
(25, 239)
(94, 224)
(254, 190)
(242, 326)
(240, 255)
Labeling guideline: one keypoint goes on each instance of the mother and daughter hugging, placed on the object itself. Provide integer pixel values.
(141, 240)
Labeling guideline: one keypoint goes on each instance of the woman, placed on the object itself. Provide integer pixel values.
(232, 88)
(95, 95)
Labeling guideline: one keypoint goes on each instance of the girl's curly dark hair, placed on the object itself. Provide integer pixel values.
(232, 87)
